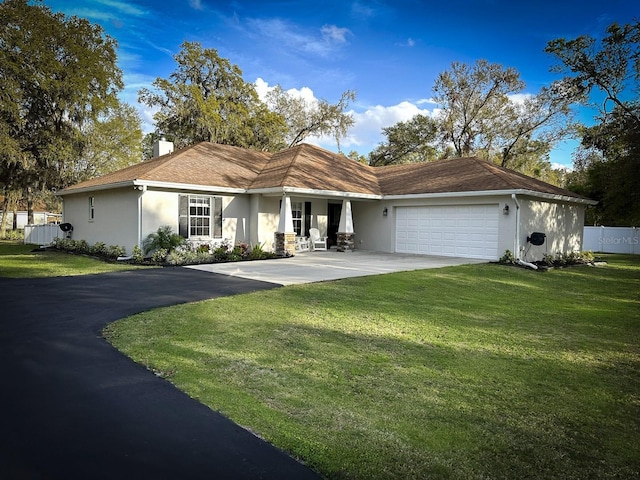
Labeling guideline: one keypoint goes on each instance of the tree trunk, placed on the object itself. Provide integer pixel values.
(29, 208)
(3, 222)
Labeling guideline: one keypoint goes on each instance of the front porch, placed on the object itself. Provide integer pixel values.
(297, 232)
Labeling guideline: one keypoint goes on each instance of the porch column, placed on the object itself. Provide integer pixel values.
(346, 235)
(285, 236)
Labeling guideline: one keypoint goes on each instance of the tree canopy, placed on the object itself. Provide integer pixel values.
(206, 99)
(483, 112)
(311, 118)
(607, 74)
(407, 142)
(58, 78)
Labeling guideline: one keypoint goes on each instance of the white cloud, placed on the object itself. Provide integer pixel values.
(333, 33)
(263, 88)
(291, 37)
(560, 166)
(123, 7)
(366, 132)
(196, 4)
(519, 98)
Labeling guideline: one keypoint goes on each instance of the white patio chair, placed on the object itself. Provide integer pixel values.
(317, 242)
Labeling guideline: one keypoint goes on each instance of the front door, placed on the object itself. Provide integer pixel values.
(335, 209)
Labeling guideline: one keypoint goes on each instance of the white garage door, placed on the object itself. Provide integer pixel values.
(468, 231)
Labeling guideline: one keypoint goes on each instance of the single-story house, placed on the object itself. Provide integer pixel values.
(464, 207)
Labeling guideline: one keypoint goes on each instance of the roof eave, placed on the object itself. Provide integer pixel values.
(153, 184)
(312, 192)
(189, 186)
(95, 188)
(487, 193)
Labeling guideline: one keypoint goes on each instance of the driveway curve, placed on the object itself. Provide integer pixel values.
(74, 407)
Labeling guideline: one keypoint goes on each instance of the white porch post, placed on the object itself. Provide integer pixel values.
(285, 237)
(346, 235)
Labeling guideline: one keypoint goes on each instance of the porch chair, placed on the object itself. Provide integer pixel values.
(317, 242)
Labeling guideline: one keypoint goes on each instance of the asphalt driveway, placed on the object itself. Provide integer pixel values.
(72, 407)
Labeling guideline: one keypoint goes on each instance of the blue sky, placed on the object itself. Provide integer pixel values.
(389, 51)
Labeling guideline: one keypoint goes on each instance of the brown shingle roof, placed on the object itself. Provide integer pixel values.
(458, 175)
(202, 164)
(308, 167)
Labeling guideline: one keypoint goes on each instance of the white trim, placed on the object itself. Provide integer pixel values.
(310, 192)
(188, 186)
(95, 188)
(327, 193)
(488, 193)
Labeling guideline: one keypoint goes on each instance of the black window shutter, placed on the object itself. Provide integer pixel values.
(217, 217)
(307, 218)
(183, 216)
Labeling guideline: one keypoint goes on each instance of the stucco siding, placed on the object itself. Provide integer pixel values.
(562, 223)
(267, 220)
(115, 219)
(159, 208)
(236, 225)
(374, 231)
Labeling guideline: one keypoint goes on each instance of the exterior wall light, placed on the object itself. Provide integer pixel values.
(385, 212)
(505, 210)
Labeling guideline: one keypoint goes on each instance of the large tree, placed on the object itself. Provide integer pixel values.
(206, 99)
(58, 75)
(113, 141)
(407, 142)
(484, 112)
(305, 118)
(607, 73)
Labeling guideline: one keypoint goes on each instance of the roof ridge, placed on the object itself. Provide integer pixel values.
(498, 171)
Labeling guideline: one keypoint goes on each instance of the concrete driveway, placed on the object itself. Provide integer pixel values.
(308, 267)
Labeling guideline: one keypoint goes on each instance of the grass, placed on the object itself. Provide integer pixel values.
(18, 260)
(472, 372)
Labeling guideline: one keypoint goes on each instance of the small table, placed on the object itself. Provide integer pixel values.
(302, 244)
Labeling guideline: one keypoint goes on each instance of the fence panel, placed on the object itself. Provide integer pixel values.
(42, 234)
(611, 239)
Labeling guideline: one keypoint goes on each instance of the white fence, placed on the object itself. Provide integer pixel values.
(611, 239)
(42, 234)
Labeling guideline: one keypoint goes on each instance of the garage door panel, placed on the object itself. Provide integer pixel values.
(463, 230)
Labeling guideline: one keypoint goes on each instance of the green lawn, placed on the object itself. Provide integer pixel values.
(20, 261)
(472, 372)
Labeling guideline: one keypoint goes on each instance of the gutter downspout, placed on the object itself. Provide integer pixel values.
(517, 239)
(516, 246)
(142, 189)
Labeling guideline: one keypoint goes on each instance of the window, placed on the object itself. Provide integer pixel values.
(297, 213)
(200, 216)
(92, 212)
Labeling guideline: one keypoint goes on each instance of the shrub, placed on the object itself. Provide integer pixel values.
(136, 254)
(115, 251)
(13, 235)
(162, 238)
(160, 255)
(507, 258)
(203, 248)
(99, 249)
(567, 259)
